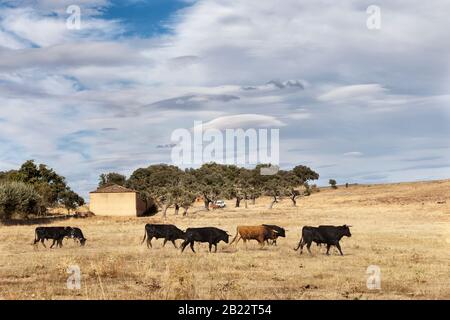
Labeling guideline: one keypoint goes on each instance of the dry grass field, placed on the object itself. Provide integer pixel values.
(399, 227)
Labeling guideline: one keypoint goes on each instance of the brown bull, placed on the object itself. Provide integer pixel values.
(258, 233)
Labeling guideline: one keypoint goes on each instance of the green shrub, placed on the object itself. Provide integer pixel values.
(18, 198)
(333, 182)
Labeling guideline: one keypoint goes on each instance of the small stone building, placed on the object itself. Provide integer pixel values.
(115, 200)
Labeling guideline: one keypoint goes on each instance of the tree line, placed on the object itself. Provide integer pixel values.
(169, 186)
(32, 189)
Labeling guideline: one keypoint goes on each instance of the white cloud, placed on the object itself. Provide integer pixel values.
(56, 82)
(49, 6)
(361, 91)
(353, 154)
(40, 31)
(90, 54)
(9, 41)
(43, 30)
(243, 121)
(300, 115)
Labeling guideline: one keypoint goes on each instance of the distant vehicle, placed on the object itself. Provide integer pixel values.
(220, 204)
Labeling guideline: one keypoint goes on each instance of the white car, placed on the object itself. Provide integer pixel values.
(220, 203)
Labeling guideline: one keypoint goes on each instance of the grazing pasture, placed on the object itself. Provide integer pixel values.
(402, 228)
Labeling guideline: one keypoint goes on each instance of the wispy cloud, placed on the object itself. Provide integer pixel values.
(353, 154)
(244, 121)
(361, 91)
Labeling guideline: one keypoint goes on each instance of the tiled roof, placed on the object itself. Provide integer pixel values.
(113, 189)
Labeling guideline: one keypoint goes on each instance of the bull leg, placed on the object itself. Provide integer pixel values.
(262, 244)
(328, 249)
(298, 246)
(210, 246)
(301, 244)
(274, 242)
(184, 244)
(245, 243)
(192, 246)
(174, 244)
(339, 248)
(54, 241)
(164, 243)
(215, 246)
(42, 241)
(59, 243)
(308, 246)
(149, 242)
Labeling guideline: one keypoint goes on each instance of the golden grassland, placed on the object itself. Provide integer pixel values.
(402, 228)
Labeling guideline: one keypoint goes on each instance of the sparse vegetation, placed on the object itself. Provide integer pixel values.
(389, 223)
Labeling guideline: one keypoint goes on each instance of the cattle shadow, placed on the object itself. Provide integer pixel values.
(227, 250)
(324, 255)
(206, 252)
(249, 249)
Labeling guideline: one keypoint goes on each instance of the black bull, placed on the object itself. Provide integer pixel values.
(279, 232)
(207, 234)
(77, 234)
(329, 235)
(57, 234)
(168, 232)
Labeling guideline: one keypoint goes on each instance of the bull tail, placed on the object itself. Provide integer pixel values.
(145, 236)
(301, 240)
(234, 239)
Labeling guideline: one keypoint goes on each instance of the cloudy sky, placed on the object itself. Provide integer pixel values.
(356, 104)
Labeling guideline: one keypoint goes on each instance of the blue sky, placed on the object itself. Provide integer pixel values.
(357, 105)
(144, 18)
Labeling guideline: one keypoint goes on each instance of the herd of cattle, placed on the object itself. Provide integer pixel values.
(328, 235)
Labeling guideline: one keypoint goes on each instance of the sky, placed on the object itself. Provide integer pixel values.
(356, 104)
